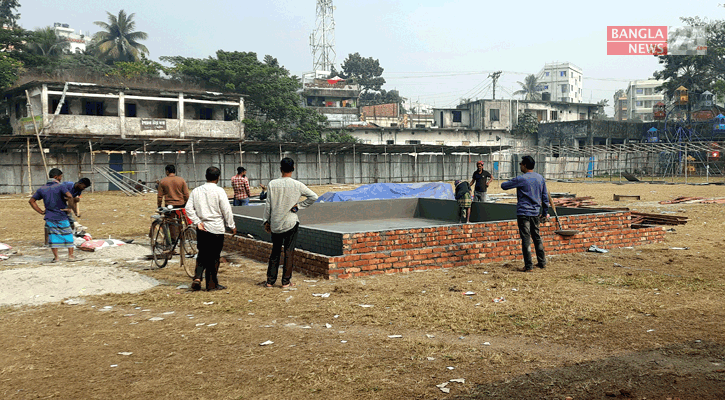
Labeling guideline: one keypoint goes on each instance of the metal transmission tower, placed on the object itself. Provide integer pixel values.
(322, 39)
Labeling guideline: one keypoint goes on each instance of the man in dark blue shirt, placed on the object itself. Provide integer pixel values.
(533, 201)
(57, 200)
(75, 189)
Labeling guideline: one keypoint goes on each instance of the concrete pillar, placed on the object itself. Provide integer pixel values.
(122, 113)
(180, 115)
(241, 118)
(44, 104)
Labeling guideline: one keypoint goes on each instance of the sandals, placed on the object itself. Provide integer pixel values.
(196, 285)
(286, 285)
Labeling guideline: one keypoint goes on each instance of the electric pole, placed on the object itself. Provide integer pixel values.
(494, 76)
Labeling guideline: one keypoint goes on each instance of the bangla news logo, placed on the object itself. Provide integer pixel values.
(656, 40)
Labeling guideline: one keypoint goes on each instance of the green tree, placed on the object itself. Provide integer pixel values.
(10, 69)
(119, 41)
(599, 113)
(527, 124)
(9, 14)
(366, 72)
(44, 42)
(273, 106)
(697, 73)
(530, 88)
(143, 68)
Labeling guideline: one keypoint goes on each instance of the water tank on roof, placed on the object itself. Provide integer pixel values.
(66, 26)
(56, 24)
(546, 96)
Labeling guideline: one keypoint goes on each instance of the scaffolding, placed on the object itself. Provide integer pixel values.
(675, 162)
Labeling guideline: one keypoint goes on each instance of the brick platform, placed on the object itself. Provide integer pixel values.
(405, 250)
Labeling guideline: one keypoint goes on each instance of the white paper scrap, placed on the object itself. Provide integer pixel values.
(156, 319)
(125, 353)
(323, 295)
(458, 380)
(395, 336)
(469, 293)
(268, 342)
(365, 305)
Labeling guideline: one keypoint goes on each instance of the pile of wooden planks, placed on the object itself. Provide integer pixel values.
(574, 202)
(643, 219)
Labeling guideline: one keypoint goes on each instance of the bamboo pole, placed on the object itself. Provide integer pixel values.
(37, 132)
(193, 159)
(93, 169)
(319, 164)
(145, 163)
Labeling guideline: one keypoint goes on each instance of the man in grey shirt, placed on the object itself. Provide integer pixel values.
(280, 219)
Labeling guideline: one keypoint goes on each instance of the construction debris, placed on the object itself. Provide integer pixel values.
(640, 220)
(681, 199)
(574, 202)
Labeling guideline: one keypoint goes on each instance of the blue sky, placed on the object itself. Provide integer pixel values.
(432, 51)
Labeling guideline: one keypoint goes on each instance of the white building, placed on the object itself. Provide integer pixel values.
(78, 41)
(563, 82)
(641, 96)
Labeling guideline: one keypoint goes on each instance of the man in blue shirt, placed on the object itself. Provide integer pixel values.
(75, 189)
(531, 194)
(58, 232)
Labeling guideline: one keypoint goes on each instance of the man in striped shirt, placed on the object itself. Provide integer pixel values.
(280, 219)
(240, 184)
(209, 210)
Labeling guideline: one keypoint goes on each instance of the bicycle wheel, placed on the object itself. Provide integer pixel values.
(152, 231)
(189, 250)
(159, 248)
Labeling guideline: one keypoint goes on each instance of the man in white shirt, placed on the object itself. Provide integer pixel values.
(209, 209)
(280, 219)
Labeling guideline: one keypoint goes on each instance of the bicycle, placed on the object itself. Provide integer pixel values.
(163, 244)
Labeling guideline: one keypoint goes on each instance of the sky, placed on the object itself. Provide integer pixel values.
(432, 52)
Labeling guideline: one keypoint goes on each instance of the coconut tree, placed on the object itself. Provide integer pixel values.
(530, 88)
(119, 41)
(44, 42)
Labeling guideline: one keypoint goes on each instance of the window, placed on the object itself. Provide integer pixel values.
(582, 116)
(456, 116)
(648, 91)
(648, 103)
(547, 73)
(562, 73)
(206, 113)
(420, 125)
(638, 103)
(393, 124)
(639, 91)
(564, 88)
(494, 114)
(54, 105)
(390, 142)
(94, 108)
(412, 142)
(168, 111)
(546, 87)
(131, 110)
(553, 115)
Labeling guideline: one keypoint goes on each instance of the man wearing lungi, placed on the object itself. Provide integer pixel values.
(58, 232)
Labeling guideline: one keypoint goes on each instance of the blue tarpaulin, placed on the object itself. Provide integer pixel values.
(386, 191)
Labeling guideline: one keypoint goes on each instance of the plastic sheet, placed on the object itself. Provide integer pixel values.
(386, 191)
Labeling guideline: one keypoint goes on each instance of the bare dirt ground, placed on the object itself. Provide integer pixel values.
(642, 323)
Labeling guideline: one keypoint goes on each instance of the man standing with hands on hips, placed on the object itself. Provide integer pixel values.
(533, 202)
(209, 210)
(280, 219)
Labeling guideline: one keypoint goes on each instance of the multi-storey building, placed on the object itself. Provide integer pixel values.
(78, 41)
(641, 96)
(620, 106)
(562, 82)
(334, 98)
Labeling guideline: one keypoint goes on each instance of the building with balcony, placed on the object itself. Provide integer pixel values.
(336, 99)
(641, 96)
(561, 82)
(96, 110)
(78, 41)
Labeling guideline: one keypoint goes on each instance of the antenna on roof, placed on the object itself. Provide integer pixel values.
(322, 39)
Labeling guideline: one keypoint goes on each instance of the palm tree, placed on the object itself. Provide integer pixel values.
(530, 88)
(119, 41)
(45, 42)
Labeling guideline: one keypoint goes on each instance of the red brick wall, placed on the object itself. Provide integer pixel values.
(449, 246)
